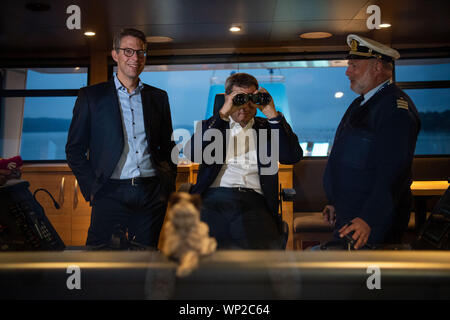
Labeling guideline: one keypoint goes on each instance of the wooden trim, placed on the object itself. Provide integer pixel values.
(98, 71)
(50, 167)
(429, 188)
(423, 84)
(64, 167)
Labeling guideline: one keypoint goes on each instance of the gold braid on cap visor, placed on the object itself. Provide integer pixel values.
(354, 51)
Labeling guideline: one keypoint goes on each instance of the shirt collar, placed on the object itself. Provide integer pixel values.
(248, 125)
(369, 94)
(120, 86)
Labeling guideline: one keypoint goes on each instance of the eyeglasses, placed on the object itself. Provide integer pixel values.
(130, 52)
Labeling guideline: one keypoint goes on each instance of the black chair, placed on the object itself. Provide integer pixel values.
(435, 234)
(286, 194)
(219, 100)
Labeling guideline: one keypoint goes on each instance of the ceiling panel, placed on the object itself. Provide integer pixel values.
(295, 10)
(267, 25)
(208, 33)
(191, 11)
(290, 31)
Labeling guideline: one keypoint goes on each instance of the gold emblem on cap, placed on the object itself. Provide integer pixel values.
(354, 45)
(354, 50)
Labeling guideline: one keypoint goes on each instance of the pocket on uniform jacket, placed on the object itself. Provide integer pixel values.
(357, 150)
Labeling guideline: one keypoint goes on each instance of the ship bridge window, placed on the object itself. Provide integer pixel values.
(312, 95)
(434, 112)
(304, 91)
(38, 104)
(422, 70)
(427, 82)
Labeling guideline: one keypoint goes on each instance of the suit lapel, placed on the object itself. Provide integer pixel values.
(150, 113)
(115, 108)
(256, 126)
(116, 126)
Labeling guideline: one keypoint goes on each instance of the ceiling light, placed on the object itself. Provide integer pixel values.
(315, 35)
(89, 33)
(385, 25)
(235, 29)
(77, 68)
(338, 95)
(158, 39)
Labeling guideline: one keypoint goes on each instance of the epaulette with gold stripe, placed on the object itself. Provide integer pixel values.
(402, 103)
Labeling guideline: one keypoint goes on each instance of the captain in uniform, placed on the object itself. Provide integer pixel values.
(368, 175)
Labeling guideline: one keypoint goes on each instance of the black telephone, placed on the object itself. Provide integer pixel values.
(23, 223)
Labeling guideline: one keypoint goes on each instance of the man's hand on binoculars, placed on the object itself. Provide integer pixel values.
(268, 110)
(247, 99)
(228, 107)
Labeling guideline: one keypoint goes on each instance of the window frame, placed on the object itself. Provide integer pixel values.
(25, 93)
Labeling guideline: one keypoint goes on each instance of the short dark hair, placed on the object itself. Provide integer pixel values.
(244, 80)
(128, 32)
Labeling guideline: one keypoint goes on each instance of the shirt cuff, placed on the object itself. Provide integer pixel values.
(277, 119)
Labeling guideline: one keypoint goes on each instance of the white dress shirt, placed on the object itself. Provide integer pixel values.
(241, 164)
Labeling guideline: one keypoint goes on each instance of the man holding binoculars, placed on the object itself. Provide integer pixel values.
(240, 197)
(241, 103)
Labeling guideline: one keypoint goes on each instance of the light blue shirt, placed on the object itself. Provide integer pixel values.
(135, 158)
(369, 94)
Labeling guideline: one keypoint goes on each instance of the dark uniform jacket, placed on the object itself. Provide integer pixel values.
(290, 152)
(368, 174)
(96, 129)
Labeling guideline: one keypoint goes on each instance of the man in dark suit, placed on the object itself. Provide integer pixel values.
(368, 174)
(119, 146)
(238, 180)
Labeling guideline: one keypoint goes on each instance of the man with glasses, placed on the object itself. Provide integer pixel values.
(368, 174)
(119, 146)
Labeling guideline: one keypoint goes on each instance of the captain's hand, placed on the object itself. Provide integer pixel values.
(362, 232)
(268, 110)
(329, 214)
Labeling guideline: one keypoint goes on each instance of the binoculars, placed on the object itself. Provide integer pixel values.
(260, 98)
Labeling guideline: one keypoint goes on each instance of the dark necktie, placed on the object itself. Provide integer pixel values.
(358, 112)
(350, 111)
(358, 100)
(354, 107)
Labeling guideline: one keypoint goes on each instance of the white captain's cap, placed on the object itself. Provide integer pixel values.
(364, 48)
